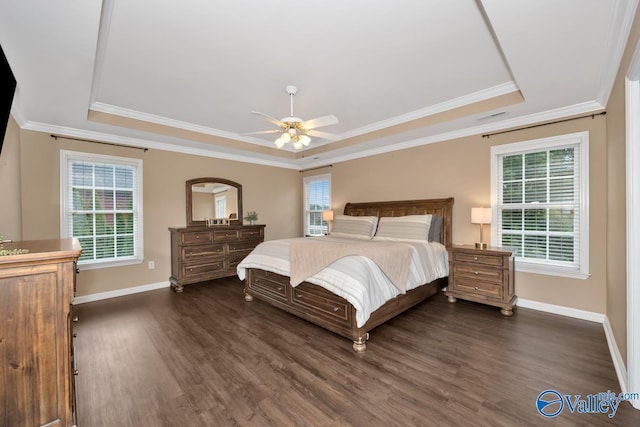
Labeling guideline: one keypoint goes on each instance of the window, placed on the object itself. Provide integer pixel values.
(539, 197)
(101, 205)
(317, 198)
(221, 206)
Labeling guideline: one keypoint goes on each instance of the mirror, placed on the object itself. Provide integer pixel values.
(215, 199)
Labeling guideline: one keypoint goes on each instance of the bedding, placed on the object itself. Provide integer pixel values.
(408, 228)
(357, 279)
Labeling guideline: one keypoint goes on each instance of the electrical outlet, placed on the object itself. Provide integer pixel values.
(152, 265)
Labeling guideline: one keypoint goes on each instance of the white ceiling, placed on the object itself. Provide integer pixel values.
(396, 74)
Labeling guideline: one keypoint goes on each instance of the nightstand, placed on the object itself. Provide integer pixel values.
(482, 275)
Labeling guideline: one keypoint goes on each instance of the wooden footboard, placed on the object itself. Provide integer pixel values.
(325, 309)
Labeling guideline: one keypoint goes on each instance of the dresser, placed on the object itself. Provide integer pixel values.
(482, 275)
(37, 378)
(204, 253)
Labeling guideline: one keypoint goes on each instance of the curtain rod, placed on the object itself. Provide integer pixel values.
(98, 142)
(319, 167)
(593, 116)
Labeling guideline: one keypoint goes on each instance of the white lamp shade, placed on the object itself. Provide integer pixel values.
(285, 137)
(481, 215)
(297, 145)
(279, 142)
(327, 215)
(305, 140)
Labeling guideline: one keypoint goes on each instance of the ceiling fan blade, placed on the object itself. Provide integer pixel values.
(262, 132)
(324, 135)
(268, 117)
(320, 122)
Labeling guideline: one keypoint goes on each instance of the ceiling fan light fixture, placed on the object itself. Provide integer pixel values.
(297, 145)
(304, 140)
(285, 137)
(279, 142)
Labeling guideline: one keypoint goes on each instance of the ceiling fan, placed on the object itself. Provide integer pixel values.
(294, 129)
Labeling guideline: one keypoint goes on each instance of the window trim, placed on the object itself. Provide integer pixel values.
(305, 182)
(540, 267)
(65, 156)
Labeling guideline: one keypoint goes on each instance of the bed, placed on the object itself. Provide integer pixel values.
(314, 303)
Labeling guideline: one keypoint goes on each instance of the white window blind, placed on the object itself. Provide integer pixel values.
(541, 207)
(101, 207)
(317, 198)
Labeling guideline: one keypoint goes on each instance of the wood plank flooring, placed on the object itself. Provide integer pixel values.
(208, 358)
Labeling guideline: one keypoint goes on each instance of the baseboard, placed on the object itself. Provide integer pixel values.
(120, 292)
(616, 357)
(618, 363)
(563, 311)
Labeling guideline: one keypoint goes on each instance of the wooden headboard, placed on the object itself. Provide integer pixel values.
(439, 207)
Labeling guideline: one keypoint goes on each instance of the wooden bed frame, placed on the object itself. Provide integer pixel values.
(325, 309)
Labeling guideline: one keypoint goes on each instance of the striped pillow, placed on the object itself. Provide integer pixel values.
(354, 227)
(410, 228)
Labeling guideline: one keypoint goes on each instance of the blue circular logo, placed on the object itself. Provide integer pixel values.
(549, 403)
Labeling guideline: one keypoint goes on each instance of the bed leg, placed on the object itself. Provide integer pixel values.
(360, 344)
(248, 297)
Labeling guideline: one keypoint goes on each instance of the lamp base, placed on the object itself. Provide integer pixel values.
(481, 246)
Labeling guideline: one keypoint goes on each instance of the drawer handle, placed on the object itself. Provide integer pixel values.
(280, 288)
(191, 253)
(476, 273)
(475, 258)
(76, 372)
(476, 288)
(191, 269)
(336, 308)
(75, 319)
(299, 296)
(75, 335)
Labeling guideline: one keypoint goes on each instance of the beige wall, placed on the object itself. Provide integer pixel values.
(267, 190)
(461, 168)
(10, 210)
(616, 203)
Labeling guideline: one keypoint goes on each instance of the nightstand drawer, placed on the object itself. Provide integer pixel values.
(478, 259)
(477, 272)
(478, 288)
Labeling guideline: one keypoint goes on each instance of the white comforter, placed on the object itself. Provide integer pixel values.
(354, 278)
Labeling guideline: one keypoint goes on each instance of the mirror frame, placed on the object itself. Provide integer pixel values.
(197, 223)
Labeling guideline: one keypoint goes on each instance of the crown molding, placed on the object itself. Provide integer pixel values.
(586, 107)
(451, 104)
(164, 121)
(145, 143)
(619, 29)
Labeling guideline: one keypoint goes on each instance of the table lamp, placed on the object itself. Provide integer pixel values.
(481, 216)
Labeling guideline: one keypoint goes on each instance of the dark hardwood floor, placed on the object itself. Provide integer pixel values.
(208, 358)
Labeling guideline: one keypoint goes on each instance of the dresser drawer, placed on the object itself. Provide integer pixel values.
(475, 287)
(478, 259)
(478, 272)
(266, 284)
(324, 305)
(250, 233)
(225, 234)
(197, 253)
(193, 237)
(198, 269)
(242, 246)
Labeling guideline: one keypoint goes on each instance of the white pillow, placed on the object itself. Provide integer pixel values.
(409, 228)
(354, 227)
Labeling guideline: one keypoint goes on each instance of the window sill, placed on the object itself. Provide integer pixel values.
(530, 267)
(107, 264)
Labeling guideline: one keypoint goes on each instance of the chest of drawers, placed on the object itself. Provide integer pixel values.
(37, 362)
(482, 275)
(204, 253)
